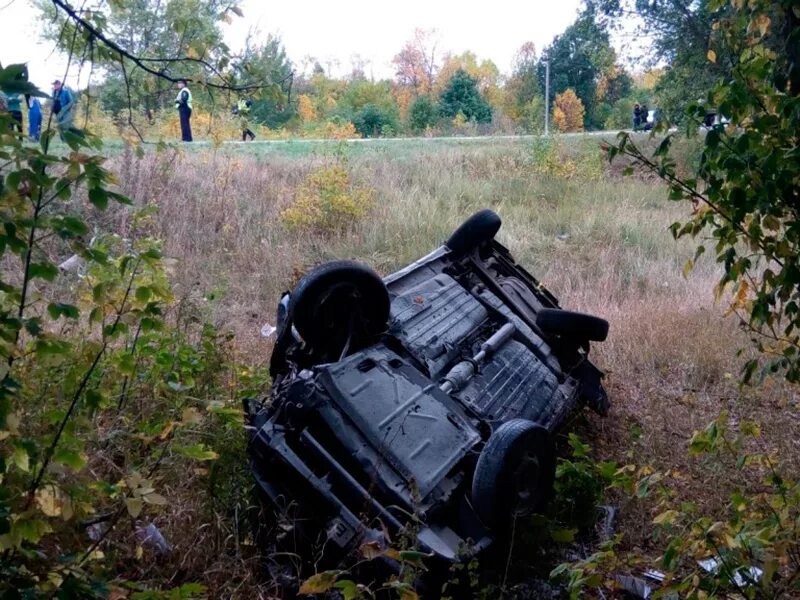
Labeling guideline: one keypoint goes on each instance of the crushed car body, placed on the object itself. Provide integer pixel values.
(420, 404)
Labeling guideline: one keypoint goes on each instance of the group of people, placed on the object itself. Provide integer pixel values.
(183, 104)
(642, 121)
(63, 107)
(63, 104)
(12, 104)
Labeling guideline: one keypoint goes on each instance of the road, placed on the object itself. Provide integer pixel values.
(472, 138)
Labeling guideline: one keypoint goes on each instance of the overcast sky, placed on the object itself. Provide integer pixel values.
(335, 31)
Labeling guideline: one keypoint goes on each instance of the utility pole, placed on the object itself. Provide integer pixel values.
(547, 97)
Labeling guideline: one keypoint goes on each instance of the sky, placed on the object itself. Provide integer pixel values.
(335, 31)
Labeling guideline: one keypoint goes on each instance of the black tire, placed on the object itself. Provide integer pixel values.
(479, 228)
(337, 299)
(578, 326)
(515, 472)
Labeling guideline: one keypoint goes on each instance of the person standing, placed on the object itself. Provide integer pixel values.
(637, 113)
(183, 102)
(242, 110)
(63, 108)
(34, 118)
(643, 121)
(14, 102)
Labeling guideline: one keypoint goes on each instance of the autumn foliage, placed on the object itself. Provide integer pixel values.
(568, 111)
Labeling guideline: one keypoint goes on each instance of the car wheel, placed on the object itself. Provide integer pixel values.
(565, 323)
(515, 472)
(339, 303)
(479, 228)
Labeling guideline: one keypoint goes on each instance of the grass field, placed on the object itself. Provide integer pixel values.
(599, 241)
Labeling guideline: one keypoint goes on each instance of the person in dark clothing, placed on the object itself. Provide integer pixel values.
(643, 122)
(183, 102)
(637, 114)
(15, 110)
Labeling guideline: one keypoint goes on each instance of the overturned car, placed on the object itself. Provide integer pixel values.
(424, 403)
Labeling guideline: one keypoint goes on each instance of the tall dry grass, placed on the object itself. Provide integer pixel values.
(599, 241)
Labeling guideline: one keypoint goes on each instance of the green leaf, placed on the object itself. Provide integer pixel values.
(563, 536)
(44, 270)
(58, 309)
(99, 197)
(70, 458)
(197, 452)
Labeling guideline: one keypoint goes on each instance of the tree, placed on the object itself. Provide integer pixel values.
(579, 57)
(568, 111)
(362, 93)
(461, 95)
(415, 64)
(523, 85)
(680, 31)
(373, 121)
(485, 73)
(748, 186)
(422, 113)
(145, 46)
(268, 62)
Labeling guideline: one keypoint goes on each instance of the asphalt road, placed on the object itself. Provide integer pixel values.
(473, 138)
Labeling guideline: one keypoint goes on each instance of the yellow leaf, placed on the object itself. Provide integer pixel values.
(319, 583)
(21, 459)
(156, 499)
(12, 422)
(370, 550)
(134, 480)
(666, 517)
(134, 506)
(139, 553)
(712, 56)
(761, 22)
(167, 430)
(687, 268)
(47, 498)
(191, 416)
(55, 578)
(770, 222)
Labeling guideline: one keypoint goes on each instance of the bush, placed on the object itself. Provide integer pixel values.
(372, 121)
(328, 201)
(101, 394)
(621, 115)
(568, 111)
(422, 114)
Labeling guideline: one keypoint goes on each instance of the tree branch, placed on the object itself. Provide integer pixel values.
(145, 62)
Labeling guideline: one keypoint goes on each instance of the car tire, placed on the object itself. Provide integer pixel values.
(332, 297)
(479, 228)
(575, 325)
(515, 472)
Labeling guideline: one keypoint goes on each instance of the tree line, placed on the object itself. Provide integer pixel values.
(432, 92)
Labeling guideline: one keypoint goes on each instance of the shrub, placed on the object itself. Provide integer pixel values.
(568, 111)
(328, 201)
(373, 121)
(100, 394)
(422, 114)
